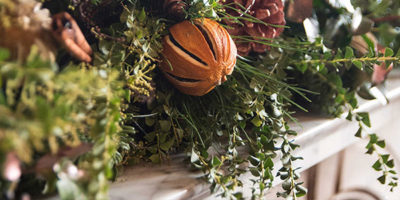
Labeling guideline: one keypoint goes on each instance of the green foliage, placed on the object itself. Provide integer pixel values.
(137, 55)
(44, 109)
(202, 8)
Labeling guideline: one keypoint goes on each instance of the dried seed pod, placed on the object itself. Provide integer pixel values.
(67, 32)
(174, 8)
(299, 10)
(198, 56)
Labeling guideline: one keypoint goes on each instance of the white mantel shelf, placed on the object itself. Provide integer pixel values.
(319, 138)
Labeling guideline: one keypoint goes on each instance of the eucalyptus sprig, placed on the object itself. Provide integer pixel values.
(383, 164)
(344, 98)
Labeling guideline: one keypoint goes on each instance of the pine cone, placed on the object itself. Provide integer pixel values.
(269, 11)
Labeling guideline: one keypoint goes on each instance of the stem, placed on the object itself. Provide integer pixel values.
(292, 182)
(174, 130)
(365, 59)
(386, 18)
(248, 8)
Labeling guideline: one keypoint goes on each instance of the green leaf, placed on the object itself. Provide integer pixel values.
(269, 146)
(155, 158)
(291, 132)
(297, 158)
(50, 186)
(238, 195)
(398, 53)
(358, 64)
(327, 55)
(339, 54)
(4, 54)
(373, 138)
(286, 160)
(370, 43)
(365, 118)
(349, 53)
(390, 163)
(254, 171)
(256, 121)
(150, 136)
(269, 163)
(370, 150)
(377, 165)
(283, 175)
(358, 133)
(388, 52)
(335, 79)
(353, 102)
(349, 116)
(253, 160)
(286, 185)
(301, 191)
(268, 174)
(261, 185)
(215, 161)
(264, 140)
(105, 46)
(385, 158)
(149, 121)
(165, 125)
(381, 143)
(167, 145)
(382, 179)
(294, 146)
(142, 15)
(302, 67)
(320, 67)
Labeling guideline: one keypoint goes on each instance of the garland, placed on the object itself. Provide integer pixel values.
(74, 124)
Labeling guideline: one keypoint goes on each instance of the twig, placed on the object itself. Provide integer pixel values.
(387, 18)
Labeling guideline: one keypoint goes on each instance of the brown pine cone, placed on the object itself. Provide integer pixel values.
(269, 11)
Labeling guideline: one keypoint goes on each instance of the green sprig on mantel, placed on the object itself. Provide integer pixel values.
(93, 119)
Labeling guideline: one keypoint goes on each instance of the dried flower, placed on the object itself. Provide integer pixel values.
(29, 15)
(268, 11)
(25, 23)
(12, 168)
